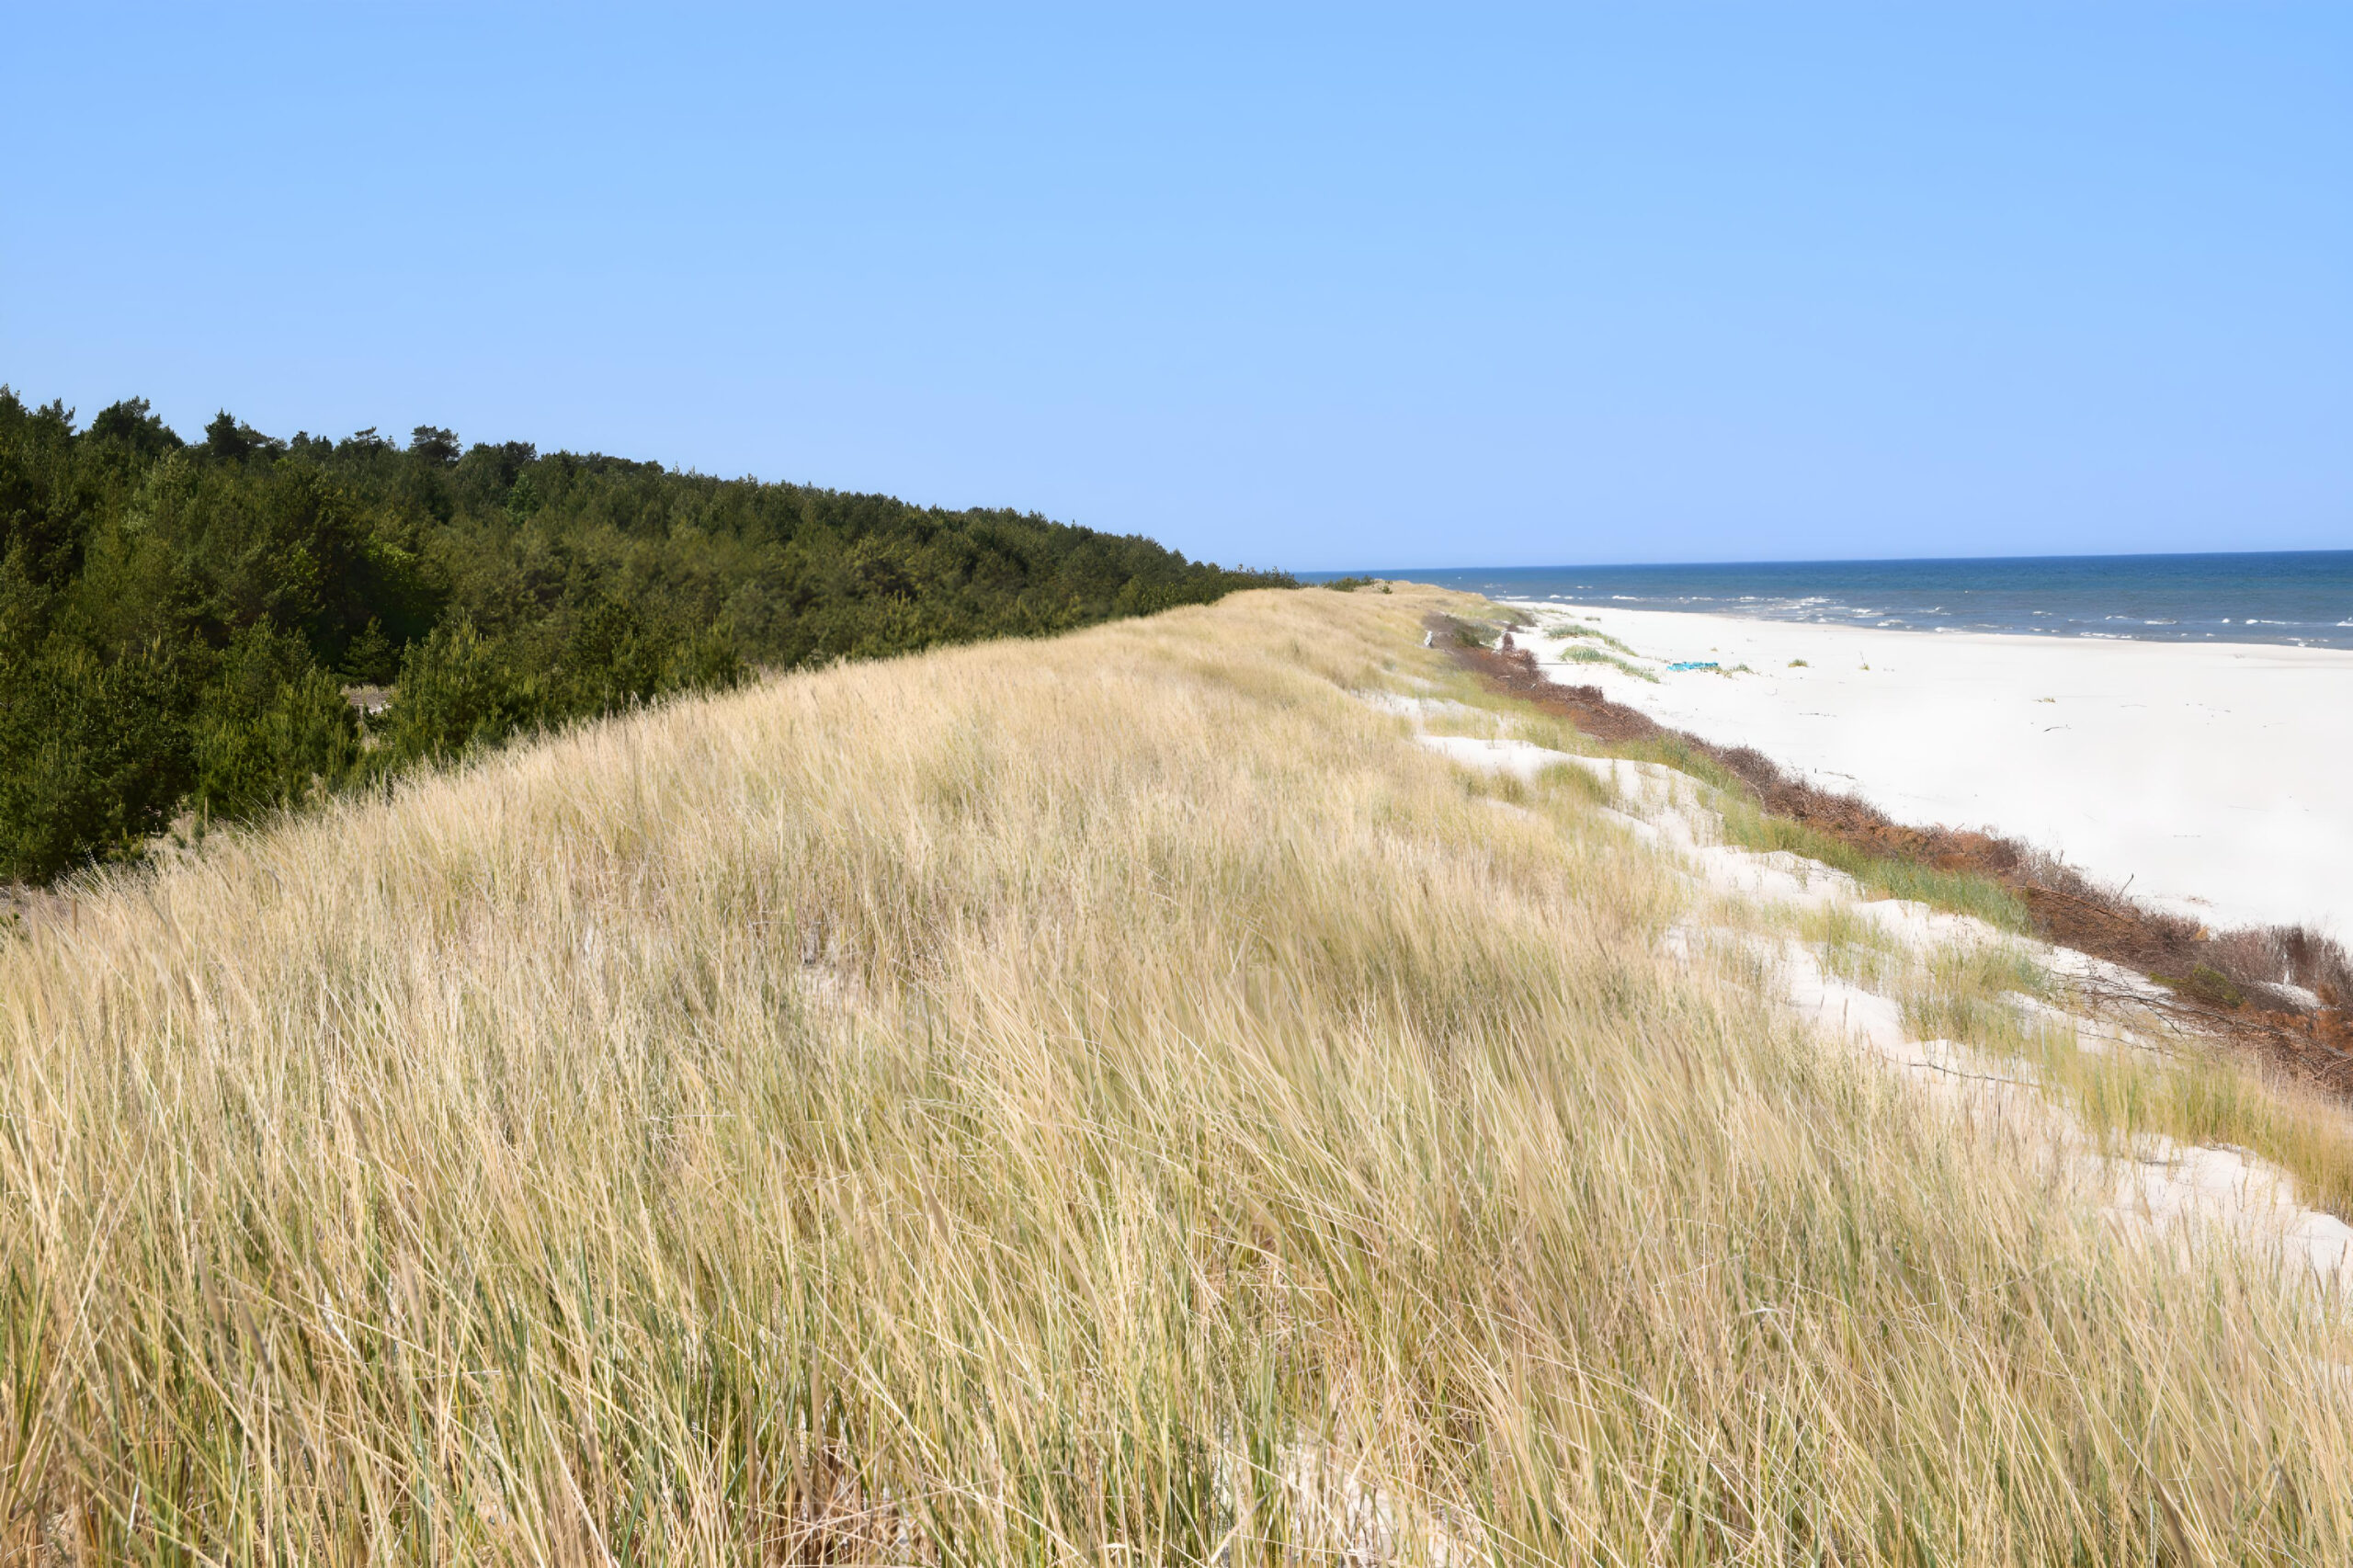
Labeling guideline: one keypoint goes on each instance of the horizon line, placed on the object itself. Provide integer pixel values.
(1405, 572)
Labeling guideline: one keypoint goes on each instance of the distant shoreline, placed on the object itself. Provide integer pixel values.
(2208, 775)
(2282, 597)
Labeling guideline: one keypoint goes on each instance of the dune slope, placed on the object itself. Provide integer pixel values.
(1040, 1098)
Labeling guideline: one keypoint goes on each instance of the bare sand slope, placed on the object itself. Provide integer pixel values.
(2214, 776)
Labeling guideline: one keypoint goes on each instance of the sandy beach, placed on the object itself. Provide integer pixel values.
(2211, 778)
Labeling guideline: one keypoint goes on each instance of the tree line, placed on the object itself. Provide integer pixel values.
(191, 626)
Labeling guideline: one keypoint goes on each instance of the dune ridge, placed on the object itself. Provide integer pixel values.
(1117, 1095)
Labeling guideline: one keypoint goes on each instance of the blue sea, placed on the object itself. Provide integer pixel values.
(2302, 597)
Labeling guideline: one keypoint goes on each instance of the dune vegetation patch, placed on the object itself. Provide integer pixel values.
(1107, 1099)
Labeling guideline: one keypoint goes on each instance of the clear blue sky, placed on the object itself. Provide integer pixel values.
(1310, 288)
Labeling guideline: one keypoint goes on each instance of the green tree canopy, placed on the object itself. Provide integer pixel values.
(177, 622)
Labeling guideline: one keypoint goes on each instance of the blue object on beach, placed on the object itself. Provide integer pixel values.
(1694, 664)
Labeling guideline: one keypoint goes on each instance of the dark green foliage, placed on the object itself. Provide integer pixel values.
(95, 755)
(372, 658)
(176, 621)
(272, 728)
(2207, 984)
(132, 426)
(457, 690)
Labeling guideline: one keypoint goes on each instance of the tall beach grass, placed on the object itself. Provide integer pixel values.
(1112, 1099)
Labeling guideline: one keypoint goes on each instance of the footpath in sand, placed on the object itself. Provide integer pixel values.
(1754, 903)
(2212, 777)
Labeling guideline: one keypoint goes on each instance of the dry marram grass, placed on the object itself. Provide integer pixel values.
(1106, 1099)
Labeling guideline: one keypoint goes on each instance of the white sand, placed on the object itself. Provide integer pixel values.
(2216, 778)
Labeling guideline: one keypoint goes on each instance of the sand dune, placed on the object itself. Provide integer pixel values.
(2212, 777)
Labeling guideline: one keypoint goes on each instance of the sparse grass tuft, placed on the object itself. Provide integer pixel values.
(1855, 948)
(1971, 994)
(2205, 983)
(1571, 629)
(1580, 783)
(1580, 656)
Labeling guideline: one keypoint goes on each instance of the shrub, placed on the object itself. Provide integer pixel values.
(272, 728)
(93, 757)
(457, 690)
